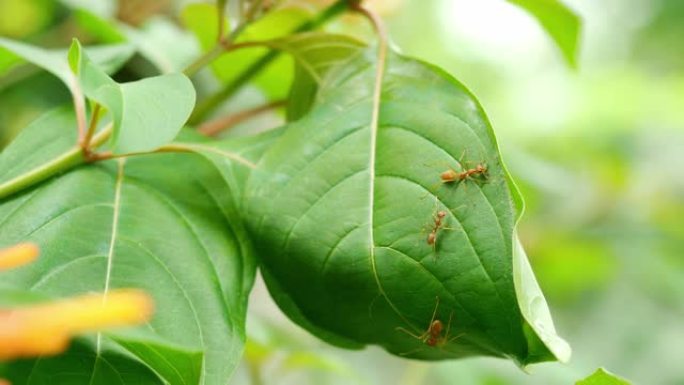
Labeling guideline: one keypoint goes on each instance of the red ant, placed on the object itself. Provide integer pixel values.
(438, 224)
(433, 335)
(451, 175)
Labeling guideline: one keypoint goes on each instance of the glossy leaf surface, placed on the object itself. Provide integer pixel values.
(342, 210)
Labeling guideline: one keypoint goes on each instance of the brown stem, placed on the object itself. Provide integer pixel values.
(94, 119)
(217, 126)
(79, 109)
(177, 148)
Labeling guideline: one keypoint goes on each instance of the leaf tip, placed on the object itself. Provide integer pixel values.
(74, 56)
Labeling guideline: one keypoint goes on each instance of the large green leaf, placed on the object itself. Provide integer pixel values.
(341, 206)
(559, 21)
(602, 377)
(85, 367)
(171, 231)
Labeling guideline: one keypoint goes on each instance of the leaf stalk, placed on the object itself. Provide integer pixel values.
(73, 157)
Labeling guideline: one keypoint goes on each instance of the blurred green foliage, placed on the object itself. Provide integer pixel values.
(597, 152)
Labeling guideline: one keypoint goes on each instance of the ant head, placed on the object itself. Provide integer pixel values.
(441, 214)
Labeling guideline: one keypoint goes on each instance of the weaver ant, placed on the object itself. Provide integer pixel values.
(433, 337)
(437, 225)
(451, 175)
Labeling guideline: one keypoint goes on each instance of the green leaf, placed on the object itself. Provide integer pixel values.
(47, 134)
(559, 21)
(110, 58)
(81, 366)
(163, 43)
(602, 377)
(234, 157)
(101, 29)
(314, 53)
(147, 113)
(170, 231)
(342, 208)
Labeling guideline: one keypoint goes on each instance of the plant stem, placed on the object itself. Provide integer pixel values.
(80, 111)
(71, 158)
(210, 104)
(204, 60)
(215, 127)
(94, 119)
(223, 45)
(179, 148)
(254, 373)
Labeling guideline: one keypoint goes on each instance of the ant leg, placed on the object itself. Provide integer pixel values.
(448, 330)
(455, 337)
(411, 352)
(434, 312)
(416, 336)
(460, 160)
(434, 253)
(432, 189)
(465, 184)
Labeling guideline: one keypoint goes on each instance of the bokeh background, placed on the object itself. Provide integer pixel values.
(597, 150)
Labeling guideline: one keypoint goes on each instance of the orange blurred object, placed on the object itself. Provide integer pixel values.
(18, 255)
(45, 329)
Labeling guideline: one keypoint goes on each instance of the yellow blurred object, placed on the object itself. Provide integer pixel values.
(18, 255)
(19, 19)
(45, 329)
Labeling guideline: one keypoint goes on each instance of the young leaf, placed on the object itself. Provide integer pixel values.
(602, 377)
(342, 205)
(559, 21)
(147, 113)
(170, 231)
